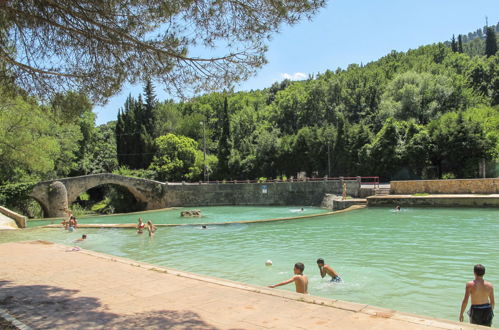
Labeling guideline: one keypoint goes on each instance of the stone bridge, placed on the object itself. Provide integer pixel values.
(55, 196)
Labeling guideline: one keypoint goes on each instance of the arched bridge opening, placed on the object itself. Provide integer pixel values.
(108, 198)
(57, 196)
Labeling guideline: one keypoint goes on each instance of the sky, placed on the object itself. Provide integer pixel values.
(346, 32)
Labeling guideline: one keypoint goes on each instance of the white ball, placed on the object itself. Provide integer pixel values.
(268, 263)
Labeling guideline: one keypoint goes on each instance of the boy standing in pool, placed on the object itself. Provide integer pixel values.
(301, 281)
(482, 299)
(326, 269)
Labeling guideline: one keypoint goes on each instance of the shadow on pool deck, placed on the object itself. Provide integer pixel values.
(49, 307)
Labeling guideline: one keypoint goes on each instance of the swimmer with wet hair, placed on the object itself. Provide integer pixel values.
(83, 237)
(301, 281)
(326, 269)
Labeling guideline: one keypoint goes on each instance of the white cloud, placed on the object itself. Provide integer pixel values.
(294, 76)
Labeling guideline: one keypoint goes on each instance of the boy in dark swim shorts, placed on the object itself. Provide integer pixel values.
(482, 299)
(326, 269)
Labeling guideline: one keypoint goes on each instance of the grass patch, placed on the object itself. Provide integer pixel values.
(421, 194)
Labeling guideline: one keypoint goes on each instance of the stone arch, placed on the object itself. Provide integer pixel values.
(55, 196)
(76, 188)
(45, 208)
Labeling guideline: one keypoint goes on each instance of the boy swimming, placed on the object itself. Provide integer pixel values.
(326, 269)
(83, 237)
(301, 281)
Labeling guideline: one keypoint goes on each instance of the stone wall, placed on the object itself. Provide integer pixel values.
(278, 193)
(55, 196)
(434, 200)
(457, 186)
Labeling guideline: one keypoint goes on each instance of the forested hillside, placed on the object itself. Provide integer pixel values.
(426, 113)
(431, 112)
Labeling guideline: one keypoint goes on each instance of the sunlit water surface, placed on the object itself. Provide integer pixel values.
(416, 260)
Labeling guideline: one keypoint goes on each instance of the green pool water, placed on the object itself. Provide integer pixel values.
(416, 260)
(210, 214)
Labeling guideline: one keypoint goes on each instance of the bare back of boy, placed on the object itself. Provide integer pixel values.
(480, 291)
(301, 283)
(330, 271)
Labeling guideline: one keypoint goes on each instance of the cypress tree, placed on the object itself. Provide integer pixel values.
(120, 145)
(490, 42)
(224, 142)
(453, 44)
(460, 44)
(150, 106)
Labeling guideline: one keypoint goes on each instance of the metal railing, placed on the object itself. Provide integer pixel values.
(365, 180)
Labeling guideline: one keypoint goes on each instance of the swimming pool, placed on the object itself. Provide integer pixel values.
(416, 260)
(211, 214)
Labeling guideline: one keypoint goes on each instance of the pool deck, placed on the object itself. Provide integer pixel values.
(50, 286)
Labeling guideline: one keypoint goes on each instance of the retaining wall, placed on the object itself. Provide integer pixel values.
(455, 186)
(435, 200)
(278, 193)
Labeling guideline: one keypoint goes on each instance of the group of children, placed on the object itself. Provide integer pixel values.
(71, 223)
(481, 292)
(149, 226)
(301, 281)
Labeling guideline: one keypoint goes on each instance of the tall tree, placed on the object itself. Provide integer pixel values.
(453, 44)
(490, 42)
(460, 44)
(175, 158)
(458, 145)
(97, 46)
(224, 142)
(28, 145)
(150, 106)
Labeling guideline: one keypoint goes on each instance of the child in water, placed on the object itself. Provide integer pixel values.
(301, 281)
(150, 228)
(326, 269)
(140, 226)
(83, 237)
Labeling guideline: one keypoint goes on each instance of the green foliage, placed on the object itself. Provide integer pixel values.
(135, 130)
(141, 174)
(458, 144)
(15, 196)
(420, 96)
(490, 42)
(28, 145)
(411, 114)
(98, 46)
(175, 159)
(224, 141)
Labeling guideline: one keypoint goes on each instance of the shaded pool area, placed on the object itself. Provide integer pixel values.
(416, 260)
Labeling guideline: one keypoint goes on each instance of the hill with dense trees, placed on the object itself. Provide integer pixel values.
(430, 112)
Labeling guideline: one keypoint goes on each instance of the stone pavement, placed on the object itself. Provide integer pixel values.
(52, 286)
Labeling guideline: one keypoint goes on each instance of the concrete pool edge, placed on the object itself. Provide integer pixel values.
(133, 225)
(87, 216)
(373, 314)
(436, 200)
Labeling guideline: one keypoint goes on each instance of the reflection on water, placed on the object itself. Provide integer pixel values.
(416, 260)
